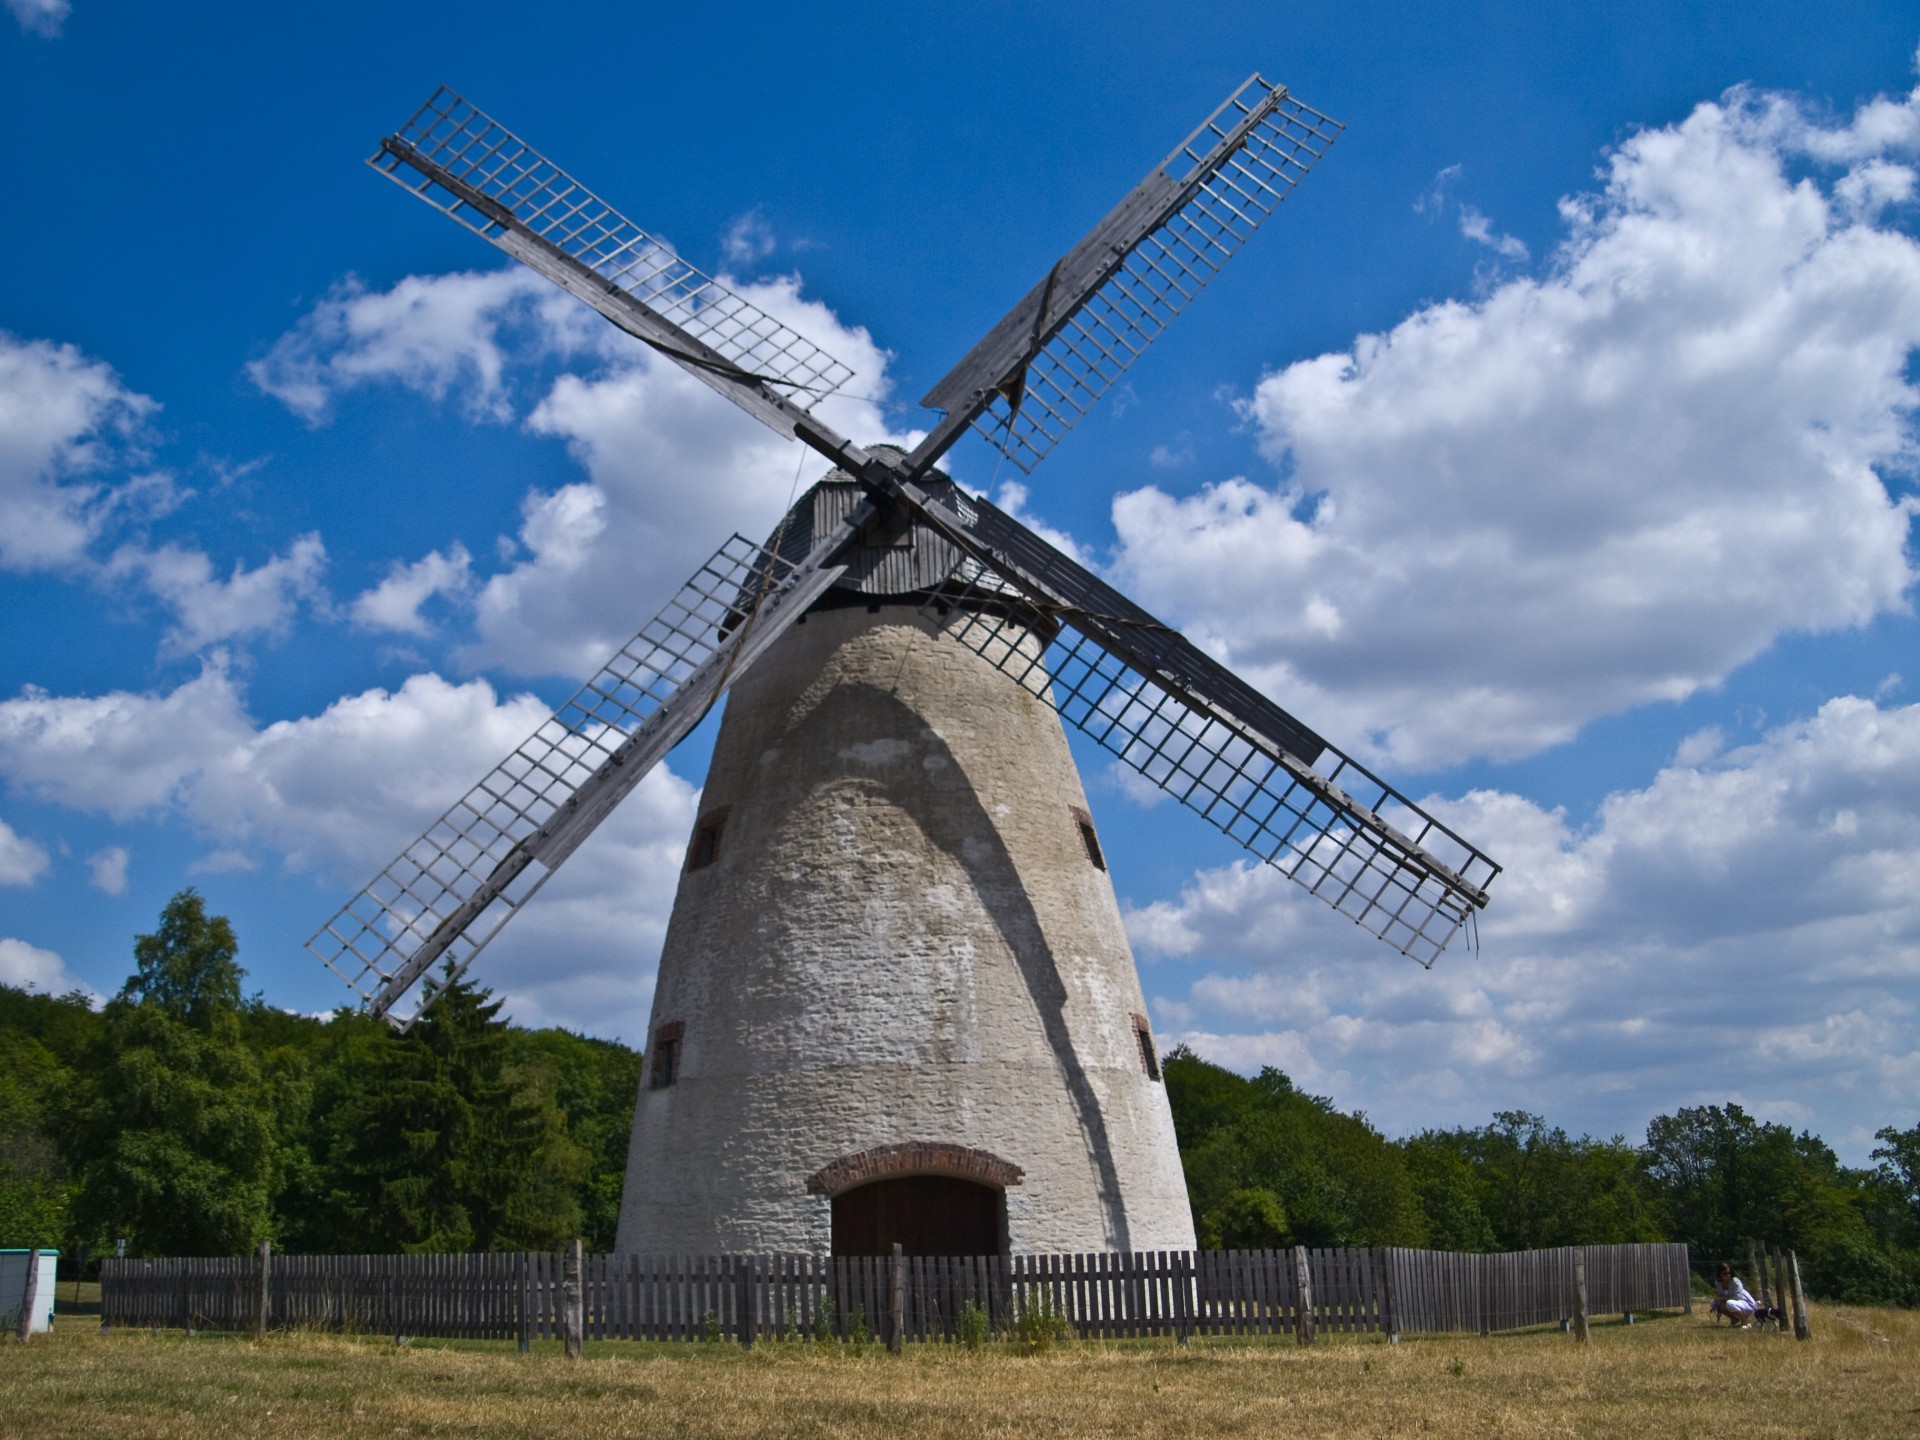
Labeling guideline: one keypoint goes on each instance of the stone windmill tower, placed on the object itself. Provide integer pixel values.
(896, 1003)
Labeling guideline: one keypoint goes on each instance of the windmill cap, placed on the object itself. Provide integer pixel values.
(897, 559)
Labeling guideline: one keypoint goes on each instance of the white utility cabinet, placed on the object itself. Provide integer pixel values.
(13, 1289)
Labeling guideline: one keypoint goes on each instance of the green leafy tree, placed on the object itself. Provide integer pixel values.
(34, 1187)
(1522, 1184)
(42, 1037)
(1268, 1165)
(1727, 1180)
(1899, 1155)
(1448, 1189)
(174, 1142)
(437, 1140)
(593, 1082)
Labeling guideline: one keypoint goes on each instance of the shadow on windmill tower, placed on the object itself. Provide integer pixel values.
(896, 1004)
(896, 979)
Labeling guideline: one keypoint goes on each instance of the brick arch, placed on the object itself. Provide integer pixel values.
(917, 1157)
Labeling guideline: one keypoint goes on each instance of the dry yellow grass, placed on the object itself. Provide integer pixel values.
(1670, 1378)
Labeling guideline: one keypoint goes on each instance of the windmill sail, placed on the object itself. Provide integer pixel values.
(1206, 737)
(449, 893)
(1053, 356)
(461, 161)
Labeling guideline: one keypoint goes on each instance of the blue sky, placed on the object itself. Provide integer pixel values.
(1552, 448)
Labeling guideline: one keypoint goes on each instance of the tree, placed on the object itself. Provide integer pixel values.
(1530, 1185)
(33, 1176)
(594, 1083)
(1268, 1165)
(41, 1038)
(436, 1141)
(1899, 1155)
(1726, 1180)
(1448, 1189)
(174, 1142)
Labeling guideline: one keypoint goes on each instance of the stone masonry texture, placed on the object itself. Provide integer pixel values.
(902, 949)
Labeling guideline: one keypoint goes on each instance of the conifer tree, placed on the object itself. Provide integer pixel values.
(436, 1141)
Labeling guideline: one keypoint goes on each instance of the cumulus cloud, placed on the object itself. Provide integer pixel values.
(63, 419)
(70, 448)
(1608, 485)
(41, 17)
(394, 604)
(432, 334)
(211, 611)
(122, 753)
(107, 870)
(339, 793)
(672, 468)
(1738, 924)
(28, 967)
(22, 861)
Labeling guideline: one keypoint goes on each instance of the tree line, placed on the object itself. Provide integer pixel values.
(188, 1119)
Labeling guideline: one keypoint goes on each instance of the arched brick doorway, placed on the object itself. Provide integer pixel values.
(929, 1199)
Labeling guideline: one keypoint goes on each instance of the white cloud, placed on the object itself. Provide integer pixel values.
(121, 754)
(394, 604)
(108, 870)
(41, 17)
(28, 967)
(1583, 492)
(210, 611)
(340, 793)
(672, 468)
(1742, 922)
(70, 435)
(433, 334)
(63, 417)
(22, 861)
(1479, 229)
(748, 240)
(1433, 200)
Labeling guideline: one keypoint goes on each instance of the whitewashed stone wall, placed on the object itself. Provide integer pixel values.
(902, 940)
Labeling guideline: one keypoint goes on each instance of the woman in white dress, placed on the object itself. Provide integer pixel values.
(1732, 1299)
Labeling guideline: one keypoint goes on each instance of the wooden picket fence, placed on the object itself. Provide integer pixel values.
(743, 1298)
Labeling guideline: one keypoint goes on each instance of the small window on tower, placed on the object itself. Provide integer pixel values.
(1087, 838)
(705, 847)
(666, 1055)
(1143, 1037)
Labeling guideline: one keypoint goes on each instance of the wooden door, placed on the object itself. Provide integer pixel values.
(924, 1214)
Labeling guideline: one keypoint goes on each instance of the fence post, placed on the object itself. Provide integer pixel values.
(1581, 1333)
(1484, 1293)
(897, 1303)
(1389, 1302)
(743, 1307)
(1783, 1303)
(1183, 1268)
(30, 1300)
(263, 1296)
(526, 1303)
(574, 1316)
(1802, 1330)
(1303, 1291)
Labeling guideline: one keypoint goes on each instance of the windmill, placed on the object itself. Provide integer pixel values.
(895, 1001)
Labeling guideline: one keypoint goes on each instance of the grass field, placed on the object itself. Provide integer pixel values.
(1666, 1378)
